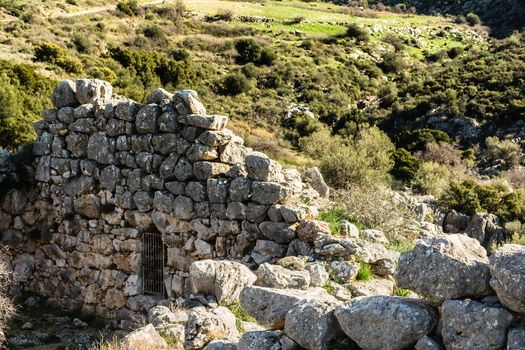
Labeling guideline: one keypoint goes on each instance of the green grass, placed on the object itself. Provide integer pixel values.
(328, 287)
(400, 292)
(240, 316)
(365, 273)
(400, 246)
(333, 216)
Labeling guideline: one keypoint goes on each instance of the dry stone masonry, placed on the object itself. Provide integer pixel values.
(159, 214)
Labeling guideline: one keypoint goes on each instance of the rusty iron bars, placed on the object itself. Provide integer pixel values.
(153, 260)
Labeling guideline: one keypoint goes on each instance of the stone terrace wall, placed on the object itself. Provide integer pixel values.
(108, 170)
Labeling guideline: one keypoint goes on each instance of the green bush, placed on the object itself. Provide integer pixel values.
(54, 54)
(300, 125)
(405, 165)
(81, 42)
(333, 216)
(393, 62)
(469, 197)
(23, 95)
(503, 150)
(365, 159)
(154, 32)
(129, 7)
(234, 84)
(354, 31)
(250, 51)
(417, 140)
(431, 178)
(473, 19)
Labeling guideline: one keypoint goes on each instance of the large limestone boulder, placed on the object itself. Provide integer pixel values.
(144, 338)
(265, 340)
(221, 345)
(275, 276)
(269, 306)
(507, 267)
(204, 326)
(222, 279)
(445, 267)
(313, 325)
(386, 323)
(470, 324)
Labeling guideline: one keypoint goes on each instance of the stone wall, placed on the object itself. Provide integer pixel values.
(109, 169)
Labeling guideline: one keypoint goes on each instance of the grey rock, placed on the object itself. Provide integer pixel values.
(318, 274)
(77, 144)
(445, 267)
(236, 211)
(88, 90)
(79, 185)
(143, 200)
(168, 122)
(346, 228)
(209, 122)
(196, 191)
(218, 190)
(221, 345)
(260, 340)
(158, 96)
(84, 111)
(64, 94)
(88, 205)
(268, 192)
(374, 236)
(234, 153)
(110, 177)
(308, 230)
(240, 189)
(269, 250)
(260, 167)
(313, 325)
(269, 306)
(127, 110)
(183, 208)
(163, 201)
(255, 212)
(203, 326)
(164, 143)
(396, 323)
(516, 339)
(145, 337)
(98, 149)
(427, 343)
(146, 121)
(205, 170)
(343, 271)
(222, 279)
(187, 102)
(507, 267)
(280, 232)
(198, 152)
(472, 325)
(275, 276)
(66, 115)
(313, 177)
(215, 138)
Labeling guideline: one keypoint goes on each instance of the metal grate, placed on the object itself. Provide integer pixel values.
(153, 264)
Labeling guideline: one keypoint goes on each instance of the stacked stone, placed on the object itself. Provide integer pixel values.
(109, 169)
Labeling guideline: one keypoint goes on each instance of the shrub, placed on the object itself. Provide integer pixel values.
(249, 51)
(7, 309)
(81, 42)
(405, 165)
(154, 32)
(431, 178)
(472, 19)
(417, 140)
(223, 15)
(354, 31)
(503, 150)
(297, 20)
(333, 216)
(300, 125)
(455, 52)
(180, 55)
(380, 208)
(365, 159)
(470, 197)
(129, 7)
(234, 84)
(393, 62)
(54, 54)
(395, 41)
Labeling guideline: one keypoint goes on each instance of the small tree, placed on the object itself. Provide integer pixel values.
(234, 84)
(359, 34)
(473, 19)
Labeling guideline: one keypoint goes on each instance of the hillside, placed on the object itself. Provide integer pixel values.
(503, 16)
(449, 98)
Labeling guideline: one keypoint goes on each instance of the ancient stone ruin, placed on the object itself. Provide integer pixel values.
(158, 214)
(127, 196)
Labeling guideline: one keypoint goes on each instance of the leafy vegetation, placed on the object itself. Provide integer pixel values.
(364, 273)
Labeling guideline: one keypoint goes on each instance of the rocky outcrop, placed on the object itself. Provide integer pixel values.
(507, 267)
(379, 322)
(473, 325)
(144, 338)
(445, 267)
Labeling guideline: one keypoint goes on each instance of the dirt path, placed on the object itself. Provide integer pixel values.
(103, 9)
